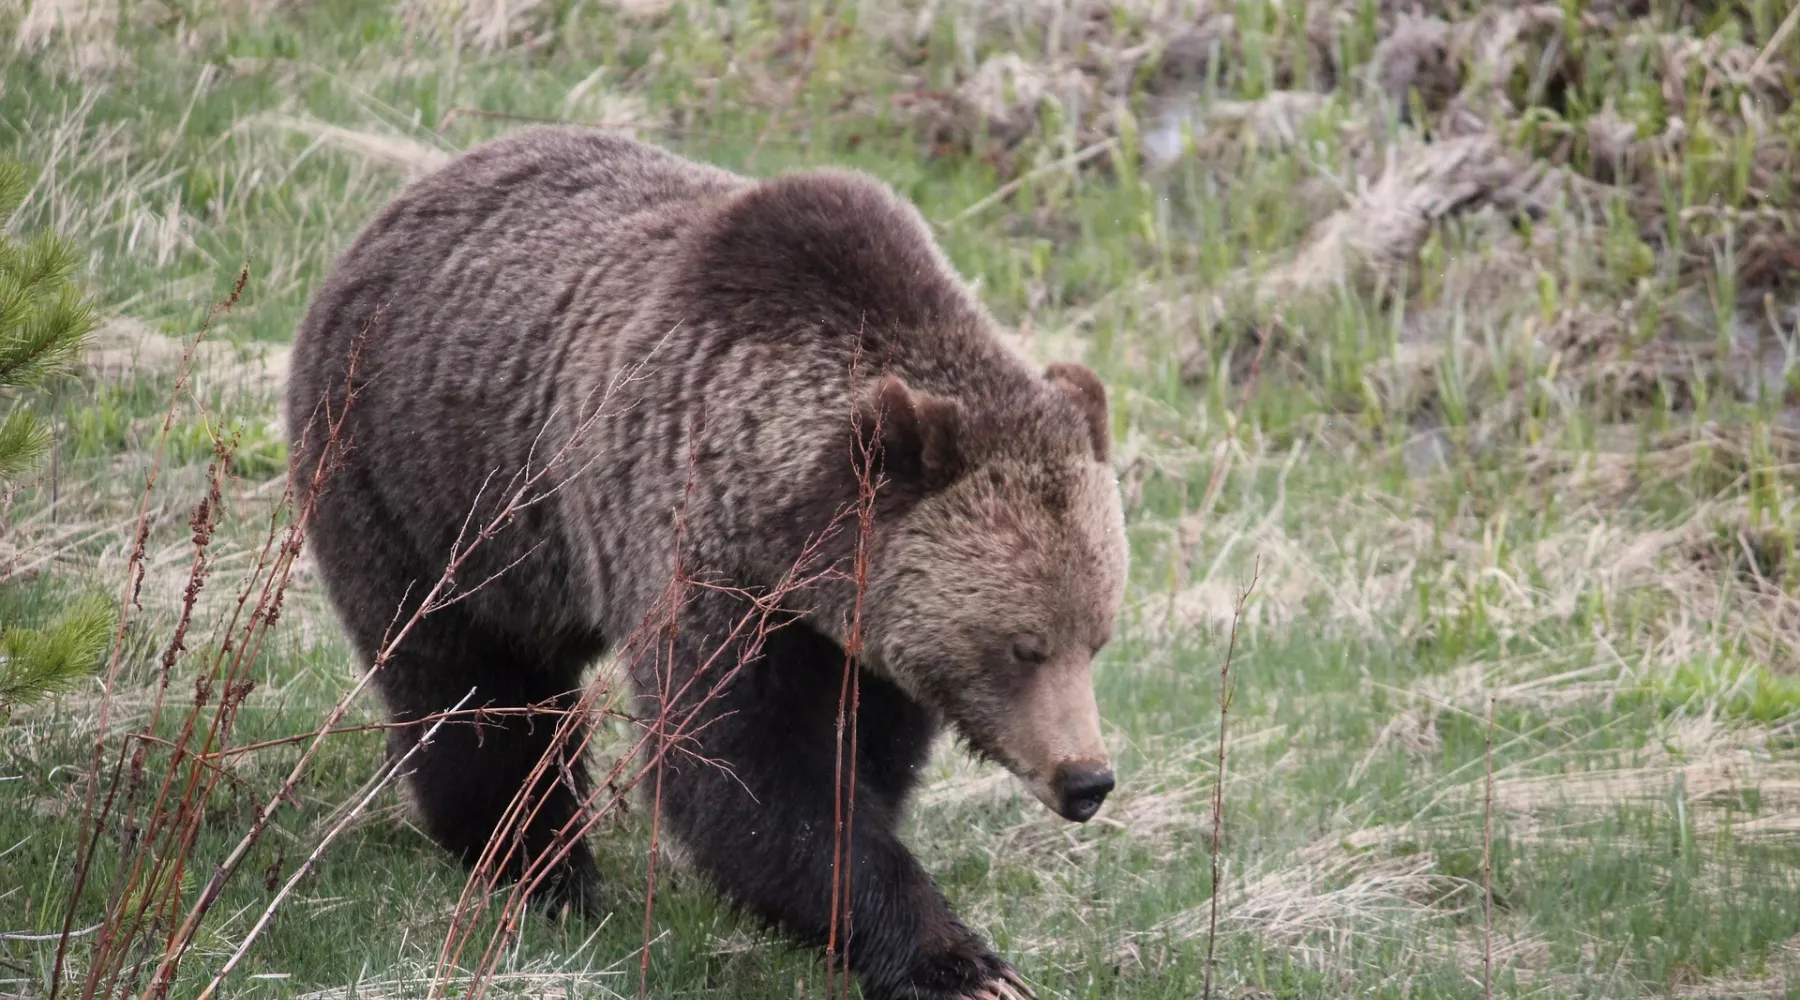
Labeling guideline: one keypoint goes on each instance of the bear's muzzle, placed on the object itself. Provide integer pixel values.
(1054, 741)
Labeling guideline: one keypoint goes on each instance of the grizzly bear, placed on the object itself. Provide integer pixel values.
(704, 375)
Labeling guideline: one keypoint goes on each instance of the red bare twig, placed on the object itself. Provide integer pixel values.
(1487, 864)
(1212, 924)
(665, 678)
(850, 695)
(134, 575)
(312, 859)
(279, 560)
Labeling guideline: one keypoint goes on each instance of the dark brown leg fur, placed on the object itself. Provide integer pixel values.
(764, 832)
(465, 780)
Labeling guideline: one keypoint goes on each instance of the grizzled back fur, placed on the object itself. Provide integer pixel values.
(498, 301)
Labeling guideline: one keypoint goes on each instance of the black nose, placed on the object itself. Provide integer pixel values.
(1082, 788)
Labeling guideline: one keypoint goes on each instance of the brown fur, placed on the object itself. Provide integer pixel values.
(693, 333)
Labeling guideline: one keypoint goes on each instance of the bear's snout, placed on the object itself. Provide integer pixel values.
(1053, 741)
(1080, 789)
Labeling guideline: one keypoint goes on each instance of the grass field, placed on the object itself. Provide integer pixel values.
(1474, 336)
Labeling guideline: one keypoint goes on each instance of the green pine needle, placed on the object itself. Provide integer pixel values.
(44, 323)
(38, 662)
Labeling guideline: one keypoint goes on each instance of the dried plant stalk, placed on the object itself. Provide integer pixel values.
(1212, 922)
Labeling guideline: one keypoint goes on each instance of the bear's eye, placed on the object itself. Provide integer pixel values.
(1031, 647)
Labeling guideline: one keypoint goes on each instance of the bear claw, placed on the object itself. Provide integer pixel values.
(1008, 987)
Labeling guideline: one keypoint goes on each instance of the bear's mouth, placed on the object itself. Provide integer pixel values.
(1043, 791)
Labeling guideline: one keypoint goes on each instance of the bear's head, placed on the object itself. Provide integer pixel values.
(989, 597)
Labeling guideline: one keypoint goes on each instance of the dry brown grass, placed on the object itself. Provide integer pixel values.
(79, 34)
(1324, 904)
(1354, 565)
(123, 348)
(483, 25)
(410, 156)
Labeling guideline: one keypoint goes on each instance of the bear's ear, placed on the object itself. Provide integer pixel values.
(1086, 389)
(910, 436)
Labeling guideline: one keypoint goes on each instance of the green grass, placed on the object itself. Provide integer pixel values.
(1526, 478)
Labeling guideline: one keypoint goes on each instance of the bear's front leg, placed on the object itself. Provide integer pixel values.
(757, 814)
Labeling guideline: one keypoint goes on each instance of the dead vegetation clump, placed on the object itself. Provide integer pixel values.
(482, 25)
(1374, 242)
(1328, 903)
(1079, 72)
(410, 157)
(79, 36)
(124, 348)
(1004, 102)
